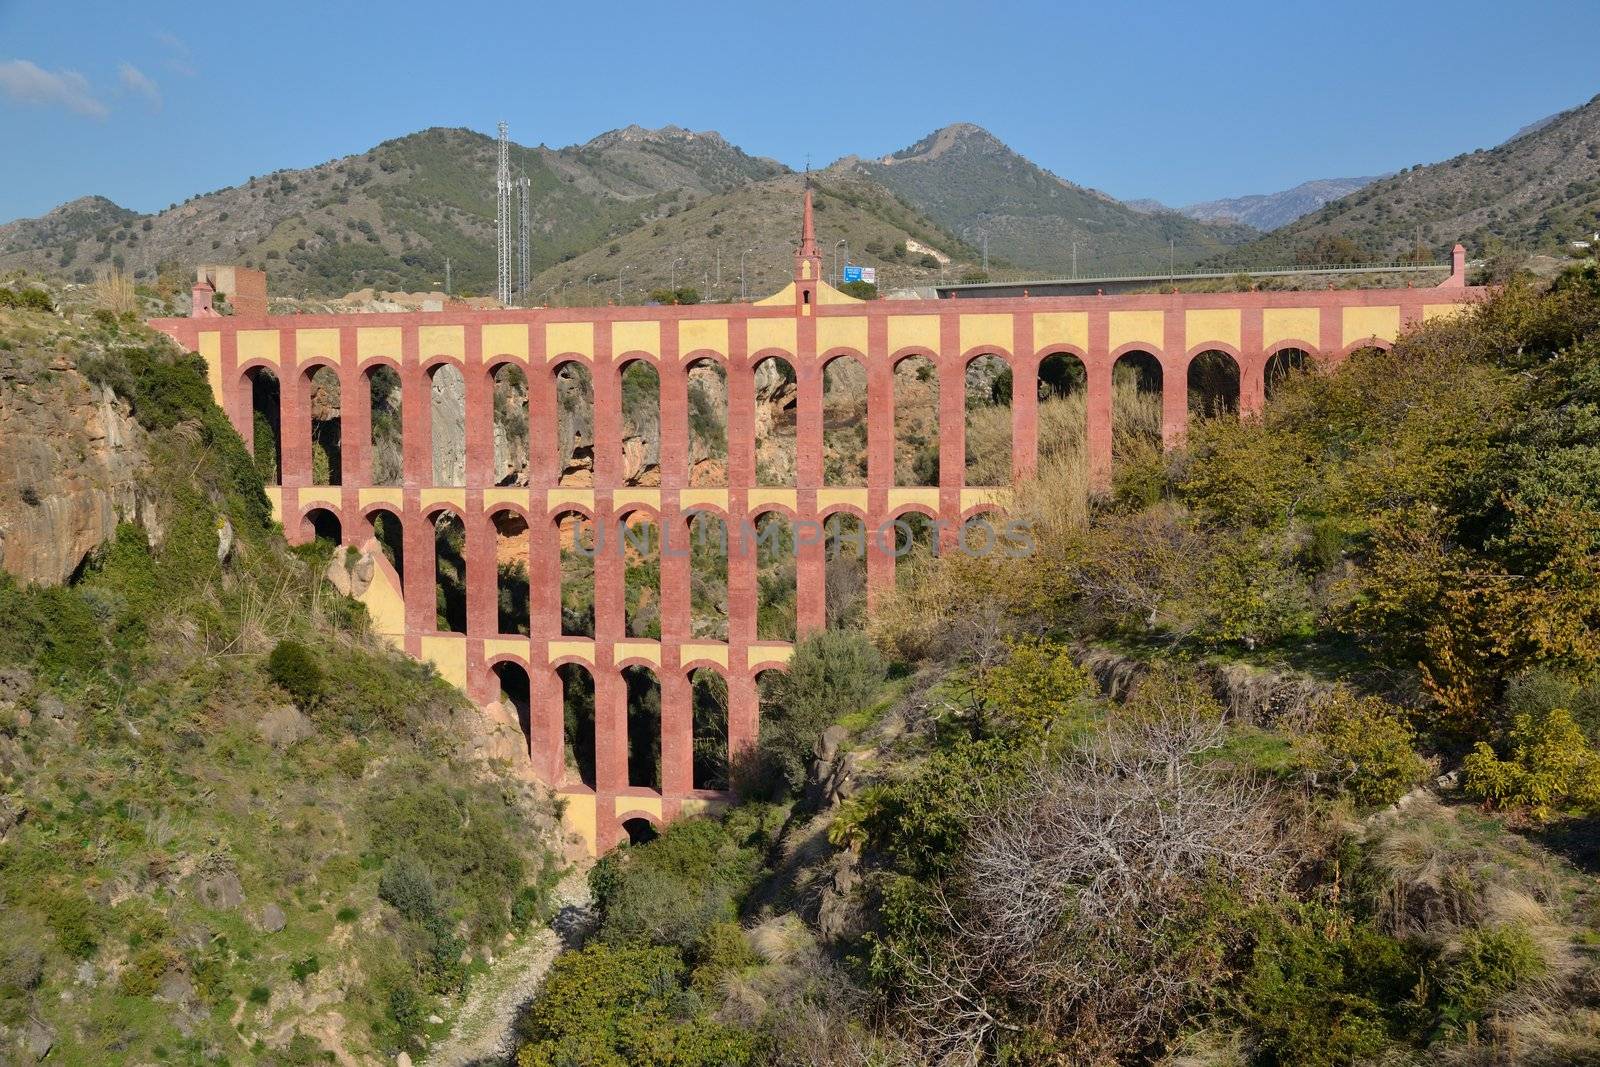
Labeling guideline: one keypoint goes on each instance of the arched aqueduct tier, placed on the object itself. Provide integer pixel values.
(808, 324)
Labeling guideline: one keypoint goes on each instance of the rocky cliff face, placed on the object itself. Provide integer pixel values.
(71, 455)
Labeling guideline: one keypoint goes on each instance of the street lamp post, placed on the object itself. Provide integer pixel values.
(620, 273)
(672, 274)
(838, 264)
(743, 295)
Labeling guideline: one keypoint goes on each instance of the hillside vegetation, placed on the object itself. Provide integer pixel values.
(233, 827)
(1536, 192)
(1285, 753)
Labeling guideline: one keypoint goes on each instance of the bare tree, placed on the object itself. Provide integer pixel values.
(1065, 914)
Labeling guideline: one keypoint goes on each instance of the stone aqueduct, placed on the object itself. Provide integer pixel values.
(809, 324)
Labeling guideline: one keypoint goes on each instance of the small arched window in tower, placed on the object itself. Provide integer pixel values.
(805, 296)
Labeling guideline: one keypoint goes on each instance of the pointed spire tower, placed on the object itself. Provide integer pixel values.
(808, 257)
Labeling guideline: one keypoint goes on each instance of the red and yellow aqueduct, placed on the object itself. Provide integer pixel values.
(809, 324)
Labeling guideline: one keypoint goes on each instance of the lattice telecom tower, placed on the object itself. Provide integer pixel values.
(524, 226)
(502, 184)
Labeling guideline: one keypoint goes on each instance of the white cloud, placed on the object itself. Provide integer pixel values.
(135, 80)
(28, 83)
(178, 56)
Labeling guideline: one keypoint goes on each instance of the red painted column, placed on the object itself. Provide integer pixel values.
(294, 418)
(544, 462)
(952, 371)
(355, 415)
(674, 384)
(1331, 328)
(611, 733)
(1174, 380)
(479, 413)
(483, 614)
(811, 609)
(675, 570)
(1252, 364)
(744, 709)
(416, 415)
(546, 715)
(1024, 399)
(677, 728)
(607, 414)
(420, 593)
(1097, 430)
(237, 398)
(880, 455)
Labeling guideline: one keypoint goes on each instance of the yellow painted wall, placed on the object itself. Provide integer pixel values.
(378, 341)
(441, 341)
(316, 344)
(1371, 322)
(842, 333)
(1442, 311)
(855, 497)
(1137, 327)
(1061, 328)
(703, 333)
(1210, 326)
(505, 339)
(761, 496)
(211, 351)
(636, 337)
(569, 338)
(1291, 324)
(448, 654)
(649, 651)
(384, 599)
(258, 344)
(716, 652)
(578, 816)
(770, 333)
(908, 330)
(985, 331)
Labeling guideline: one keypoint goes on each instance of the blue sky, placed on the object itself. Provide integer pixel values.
(150, 102)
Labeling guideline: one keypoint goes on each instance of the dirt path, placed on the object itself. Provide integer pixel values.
(484, 1030)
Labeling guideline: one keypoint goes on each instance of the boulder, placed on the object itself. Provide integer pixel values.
(272, 919)
(38, 1039)
(221, 890)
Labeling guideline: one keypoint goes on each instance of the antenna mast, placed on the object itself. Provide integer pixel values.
(503, 219)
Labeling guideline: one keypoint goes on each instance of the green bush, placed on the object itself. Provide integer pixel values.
(74, 919)
(610, 1006)
(673, 889)
(831, 674)
(407, 884)
(1365, 745)
(1489, 963)
(294, 668)
(1551, 767)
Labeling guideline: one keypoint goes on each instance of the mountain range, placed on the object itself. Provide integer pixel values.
(635, 210)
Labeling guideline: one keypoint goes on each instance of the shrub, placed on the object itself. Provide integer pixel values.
(1489, 963)
(407, 884)
(74, 921)
(294, 668)
(304, 968)
(673, 889)
(1366, 748)
(1551, 766)
(832, 673)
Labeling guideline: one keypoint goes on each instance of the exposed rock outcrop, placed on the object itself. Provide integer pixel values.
(71, 458)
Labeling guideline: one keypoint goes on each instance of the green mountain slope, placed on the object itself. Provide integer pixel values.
(969, 182)
(1537, 192)
(700, 246)
(390, 217)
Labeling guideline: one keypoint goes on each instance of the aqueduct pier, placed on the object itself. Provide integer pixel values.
(809, 325)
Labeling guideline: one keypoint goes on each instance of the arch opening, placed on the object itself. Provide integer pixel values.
(708, 424)
(915, 547)
(776, 595)
(450, 573)
(641, 552)
(510, 426)
(641, 424)
(644, 727)
(777, 395)
(640, 831)
(845, 571)
(844, 422)
(709, 693)
(988, 421)
(574, 424)
(447, 425)
(1213, 385)
(1137, 381)
(325, 527)
(388, 443)
(511, 544)
(916, 422)
(577, 722)
(1061, 466)
(707, 537)
(325, 404)
(516, 696)
(266, 412)
(388, 532)
(1283, 363)
(576, 536)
